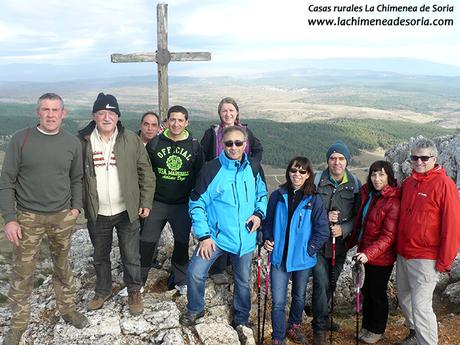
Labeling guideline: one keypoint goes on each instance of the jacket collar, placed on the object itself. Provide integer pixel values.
(231, 163)
(430, 174)
(387, 191)
(325, 178)
(85, 133)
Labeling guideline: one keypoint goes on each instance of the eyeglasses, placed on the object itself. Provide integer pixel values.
(237, 143)
(422, 158)
(301, 171)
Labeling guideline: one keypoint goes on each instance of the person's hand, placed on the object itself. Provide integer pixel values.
(333, 216)
(75, 212)
(268, 245)
(13, 232)
(144, 212)
(336, 230)
(361, 257)
(205, 248)
(255, 223)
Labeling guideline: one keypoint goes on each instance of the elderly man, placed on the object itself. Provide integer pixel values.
(226, 206)
(118, 189)
(41, 193)
(428, 240)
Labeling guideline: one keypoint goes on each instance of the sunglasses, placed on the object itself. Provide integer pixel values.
(230, 143)
(294, 170)
(422, 158)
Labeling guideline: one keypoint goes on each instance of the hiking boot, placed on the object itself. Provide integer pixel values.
(411, 339)
(362, 333)
(188, 319)
(13, 336)
(124, 292)
(320, 338)
(294, 334)
(234, 325)
(220, 278)
(156, 264)
(97, 302)
(371, 337)
(76, 319)
(182, 289)
(136, 306)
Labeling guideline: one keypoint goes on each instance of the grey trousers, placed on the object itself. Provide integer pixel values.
(416, 280)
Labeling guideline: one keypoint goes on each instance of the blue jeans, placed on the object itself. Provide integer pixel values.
(279, 280)
(321, 295)
(196, 279)
(101, 234)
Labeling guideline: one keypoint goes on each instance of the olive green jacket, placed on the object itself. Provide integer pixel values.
(137, 181)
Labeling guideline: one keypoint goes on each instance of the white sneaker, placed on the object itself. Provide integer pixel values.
(181, 288)
(371, 337)
(362, 333)
(124, 292)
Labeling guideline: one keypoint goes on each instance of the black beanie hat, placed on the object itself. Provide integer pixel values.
(341, 148)
(106, 102)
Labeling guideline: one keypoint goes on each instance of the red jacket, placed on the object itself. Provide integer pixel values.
(429, 221)
(379, 226)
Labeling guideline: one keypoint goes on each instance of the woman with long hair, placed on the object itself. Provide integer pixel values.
(295, 228)
(229, 114)
(375, 234)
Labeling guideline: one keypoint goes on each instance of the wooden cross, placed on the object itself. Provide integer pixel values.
(162, 57)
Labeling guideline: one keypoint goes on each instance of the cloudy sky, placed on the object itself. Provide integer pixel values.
(88, 31)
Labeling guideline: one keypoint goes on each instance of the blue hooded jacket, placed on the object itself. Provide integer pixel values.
(226, 194)
(309, 229)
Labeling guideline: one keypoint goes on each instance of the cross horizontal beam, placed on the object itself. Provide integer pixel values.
(152, 57)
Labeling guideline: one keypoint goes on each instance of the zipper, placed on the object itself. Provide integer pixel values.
(300, 220)
(234, 194)
(246, 190)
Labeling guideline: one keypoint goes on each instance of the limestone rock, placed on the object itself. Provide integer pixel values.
(214, 333)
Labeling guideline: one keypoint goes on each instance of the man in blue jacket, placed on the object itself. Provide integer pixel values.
(227, 206)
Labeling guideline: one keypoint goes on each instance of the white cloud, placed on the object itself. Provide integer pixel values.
(235, 30)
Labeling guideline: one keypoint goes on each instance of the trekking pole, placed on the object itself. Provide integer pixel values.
(332, 283)
(259, 265)
(332, 287)
(267, 282)
(357, 272)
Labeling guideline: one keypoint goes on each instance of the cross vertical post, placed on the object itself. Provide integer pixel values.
(162, 57)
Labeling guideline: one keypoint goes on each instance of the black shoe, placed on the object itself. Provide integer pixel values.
(156, 264)
(188, 319)
(248, 324)
(411, 339)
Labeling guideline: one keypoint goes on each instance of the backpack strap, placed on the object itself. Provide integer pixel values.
(357, 184)
(24, 138)
(317, 179)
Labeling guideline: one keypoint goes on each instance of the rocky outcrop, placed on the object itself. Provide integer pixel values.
(449, 157)
(159, 324)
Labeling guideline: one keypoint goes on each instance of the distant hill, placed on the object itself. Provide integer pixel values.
(281, 141)
(51, 73)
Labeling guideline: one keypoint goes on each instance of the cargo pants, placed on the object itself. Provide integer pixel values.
(58, 228)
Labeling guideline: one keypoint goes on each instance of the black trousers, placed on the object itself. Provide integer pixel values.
(375, 298)
(178, 218)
